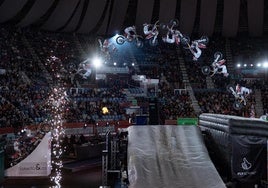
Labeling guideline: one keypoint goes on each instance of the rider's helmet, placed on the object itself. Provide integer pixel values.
(238, 87)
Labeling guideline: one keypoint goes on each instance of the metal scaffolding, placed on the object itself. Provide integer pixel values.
(110, 161)
(105, 160)
(114, 151)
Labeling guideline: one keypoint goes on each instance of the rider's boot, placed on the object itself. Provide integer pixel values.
(155, 37)
(100, 43)
(244, 100)
(194, 58)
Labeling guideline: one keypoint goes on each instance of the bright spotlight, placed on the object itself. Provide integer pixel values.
(265, 65)
(251, 65)
(133, 64)
(258, 65)
(96, 62)
(238, 65)
(245, 65)
(105, 110)
(114, 63)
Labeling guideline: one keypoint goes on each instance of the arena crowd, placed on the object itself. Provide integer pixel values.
(32, 63)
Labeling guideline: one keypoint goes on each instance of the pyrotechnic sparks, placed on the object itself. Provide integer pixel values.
(57, 102)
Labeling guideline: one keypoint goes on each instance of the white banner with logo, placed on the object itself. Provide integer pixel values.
(38, 163)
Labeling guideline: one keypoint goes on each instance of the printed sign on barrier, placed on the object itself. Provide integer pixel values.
(38, 168)
(248, 158)
(38, 163)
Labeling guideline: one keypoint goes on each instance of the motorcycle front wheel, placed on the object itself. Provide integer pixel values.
(237, 105)
(120, 40)
(185, 40)
(174, 22)
(205, 70)
(218, 55)
(230, 88)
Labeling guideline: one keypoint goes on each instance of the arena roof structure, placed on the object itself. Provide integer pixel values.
(106, 17)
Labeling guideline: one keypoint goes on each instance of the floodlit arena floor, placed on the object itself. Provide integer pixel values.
(87, 178)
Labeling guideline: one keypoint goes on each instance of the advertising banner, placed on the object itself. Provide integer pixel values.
(187, 121)
(248, 158)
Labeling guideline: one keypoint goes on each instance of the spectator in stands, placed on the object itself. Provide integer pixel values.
(82, 139)
(16, 146)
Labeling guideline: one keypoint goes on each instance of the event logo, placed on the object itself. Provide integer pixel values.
(245, 164)
(37, 166)
(33, 168)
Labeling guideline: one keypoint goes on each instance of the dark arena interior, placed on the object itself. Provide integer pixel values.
(134, 93)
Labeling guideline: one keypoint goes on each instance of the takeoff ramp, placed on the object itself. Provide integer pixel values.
(168, 156)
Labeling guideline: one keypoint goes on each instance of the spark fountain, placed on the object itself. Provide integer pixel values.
(57, 102)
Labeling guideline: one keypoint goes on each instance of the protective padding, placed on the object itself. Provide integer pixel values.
(223, 133)
(234, 124)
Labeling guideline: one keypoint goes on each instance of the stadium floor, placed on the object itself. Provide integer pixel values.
(84, 178)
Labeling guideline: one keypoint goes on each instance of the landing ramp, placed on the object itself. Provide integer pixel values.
(168, 156)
